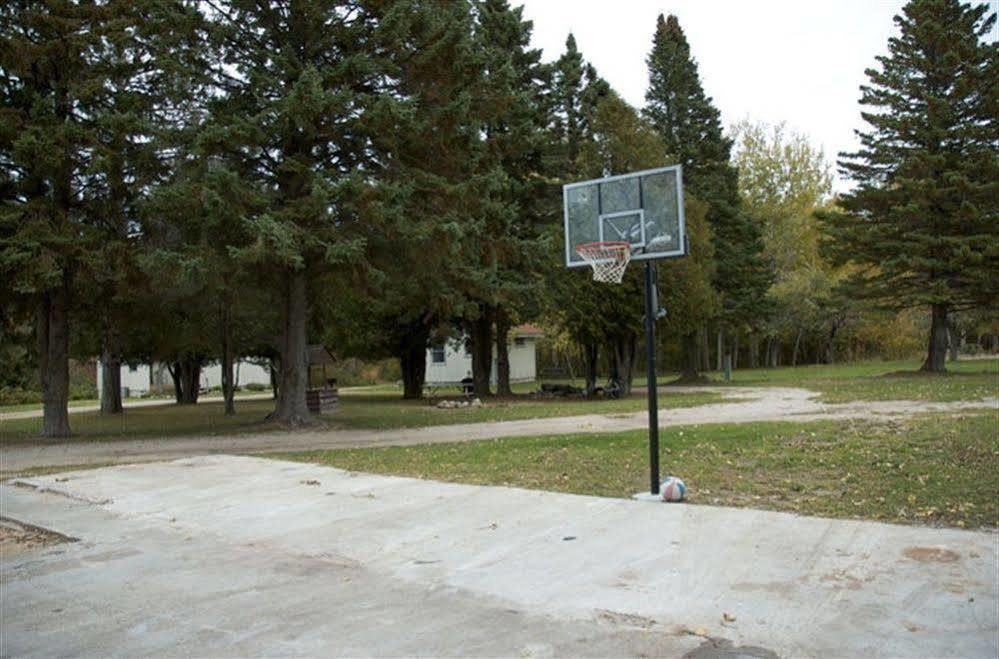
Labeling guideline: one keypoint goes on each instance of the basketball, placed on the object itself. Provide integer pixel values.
(673, 489)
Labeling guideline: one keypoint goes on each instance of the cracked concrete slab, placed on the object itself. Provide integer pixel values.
(232, 555)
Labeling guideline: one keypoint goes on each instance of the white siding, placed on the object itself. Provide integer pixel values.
(523, 360)
(136, 379)
(457, 364)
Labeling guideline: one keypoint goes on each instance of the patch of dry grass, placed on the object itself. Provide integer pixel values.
(932, 469)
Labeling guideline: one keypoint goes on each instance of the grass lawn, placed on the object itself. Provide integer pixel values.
(374, 408)
(933, 469)
(146, 422)
(24, 407)
(880, 380)
(4, 409)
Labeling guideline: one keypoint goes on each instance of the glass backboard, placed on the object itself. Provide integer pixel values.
(644, 209)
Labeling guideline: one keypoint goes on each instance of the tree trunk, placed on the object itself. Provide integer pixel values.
(704, 350)
(719, 349)
(291, 408)
(937, 349)
(228, 383)
(52, 320)
(502, 353)
(111, 369)
(189, 377)
(775, 353)
(178, 389)
(591, 352)
(754, 351)
(691, 357)
(735, 351)
(413, 358)
(953, 341)
(110, 383)
(272, 367)
(481, 338)
(797, 346)
(831, 345)
(624, 349)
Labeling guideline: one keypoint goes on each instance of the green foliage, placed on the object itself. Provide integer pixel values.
(515, 202)
(922, 223)
(783, 179)
(685, 285)
(427, 193)
(690, 127)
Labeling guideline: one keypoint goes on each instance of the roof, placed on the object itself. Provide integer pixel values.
(526, 330)
(318, 355)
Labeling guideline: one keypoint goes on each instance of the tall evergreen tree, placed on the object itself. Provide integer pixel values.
(301, 81)
(79, 83)
(571, 299)
(416, 279)
(922, 223)
(690, 125)
(502, 262)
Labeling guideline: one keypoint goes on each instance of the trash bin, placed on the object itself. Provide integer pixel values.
(125, 392)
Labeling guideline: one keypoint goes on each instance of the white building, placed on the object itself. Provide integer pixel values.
(139, 379)
(450, 362)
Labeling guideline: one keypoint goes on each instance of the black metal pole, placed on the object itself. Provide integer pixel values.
(650, 351)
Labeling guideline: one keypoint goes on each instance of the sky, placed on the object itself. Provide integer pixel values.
(800, 62)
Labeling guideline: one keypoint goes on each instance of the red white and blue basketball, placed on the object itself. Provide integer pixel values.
(673, 489)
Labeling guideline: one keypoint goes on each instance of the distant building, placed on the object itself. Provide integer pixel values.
(142, 378)
(451, 361)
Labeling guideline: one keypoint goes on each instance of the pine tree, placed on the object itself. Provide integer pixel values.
(922, 225)
(416, 282)
(576, 92)
(301, 84)
(572, 300)
(503, 260)
(79, 85)
(690, 126)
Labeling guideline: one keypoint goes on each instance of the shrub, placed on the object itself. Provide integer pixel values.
(18, 396)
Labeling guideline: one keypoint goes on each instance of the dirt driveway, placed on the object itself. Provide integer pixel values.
(742, 405)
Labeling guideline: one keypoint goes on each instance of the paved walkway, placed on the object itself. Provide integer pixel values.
(237, 556)
(743, 405)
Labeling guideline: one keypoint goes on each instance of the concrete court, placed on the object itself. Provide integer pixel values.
(225, 555)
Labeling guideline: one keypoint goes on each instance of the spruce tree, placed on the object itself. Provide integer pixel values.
(417, 256)
(922, 224)
(690, 126)
(572, 300)
(502, 262)
(79, 85)
(300, 83)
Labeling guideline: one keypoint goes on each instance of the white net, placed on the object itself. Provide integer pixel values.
(608, 260)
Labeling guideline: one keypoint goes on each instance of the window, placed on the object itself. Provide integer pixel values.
(520, 342)
(437, 354)
(133, 369)
(468, 349)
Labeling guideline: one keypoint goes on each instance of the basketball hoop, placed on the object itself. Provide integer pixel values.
(608, 259)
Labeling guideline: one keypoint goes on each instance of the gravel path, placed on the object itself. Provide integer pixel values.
(742, 405)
